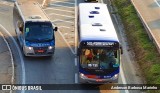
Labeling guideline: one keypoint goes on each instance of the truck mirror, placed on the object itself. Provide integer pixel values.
(56, 28)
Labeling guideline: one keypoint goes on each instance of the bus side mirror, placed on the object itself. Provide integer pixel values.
(56, 28)
(121, 49)
(21, 29)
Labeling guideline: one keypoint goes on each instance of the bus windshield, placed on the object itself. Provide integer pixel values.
(99, 58)
(39, 31)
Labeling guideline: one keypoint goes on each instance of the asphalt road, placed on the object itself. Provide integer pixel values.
(61, 68)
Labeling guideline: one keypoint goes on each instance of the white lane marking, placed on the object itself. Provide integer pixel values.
(157, 3)
(59, 20)
(123, 78)
(6, 3)
(3, 13)
(62, 2)
(61, 6)
(71, 41)
(76, 77)
(66, 42)
(60, 15)
(20, 56)
(12, 62)
(64, 27)
(71, 34)
(48, 8)
(75, 60)
(43, 2)
(76, 44)
(122, 75)
(65, 34)
(68, 35)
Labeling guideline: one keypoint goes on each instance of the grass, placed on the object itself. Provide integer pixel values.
(145, 51)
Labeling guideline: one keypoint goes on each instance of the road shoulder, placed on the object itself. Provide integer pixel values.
(6, 66)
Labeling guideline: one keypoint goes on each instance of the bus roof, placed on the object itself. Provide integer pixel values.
(95, 23)
(30, 10)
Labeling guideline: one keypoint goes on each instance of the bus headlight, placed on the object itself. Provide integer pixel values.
(82, 76)
(50, 47)
(115, 76)
(28, 49)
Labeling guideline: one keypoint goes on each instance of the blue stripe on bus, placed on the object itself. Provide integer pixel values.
(101, 76)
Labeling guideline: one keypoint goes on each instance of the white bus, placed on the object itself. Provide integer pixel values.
(34, 30)
(99, 50)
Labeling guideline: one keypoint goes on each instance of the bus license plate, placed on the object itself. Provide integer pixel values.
(41, 51)
(99, 80)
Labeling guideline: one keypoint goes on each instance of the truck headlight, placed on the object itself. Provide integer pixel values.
(50, 47)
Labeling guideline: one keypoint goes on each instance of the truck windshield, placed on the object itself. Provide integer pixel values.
(99, 58)
(39, 31)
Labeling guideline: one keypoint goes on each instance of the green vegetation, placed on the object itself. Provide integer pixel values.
(145, 51)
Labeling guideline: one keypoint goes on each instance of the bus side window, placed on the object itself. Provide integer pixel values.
(115, 54)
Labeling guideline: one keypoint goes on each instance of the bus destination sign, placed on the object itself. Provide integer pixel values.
(100, 44)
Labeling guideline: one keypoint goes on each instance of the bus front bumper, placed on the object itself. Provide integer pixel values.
(84, 79)
(39, 54)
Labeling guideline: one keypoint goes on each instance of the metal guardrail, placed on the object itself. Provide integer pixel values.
(148, 30)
